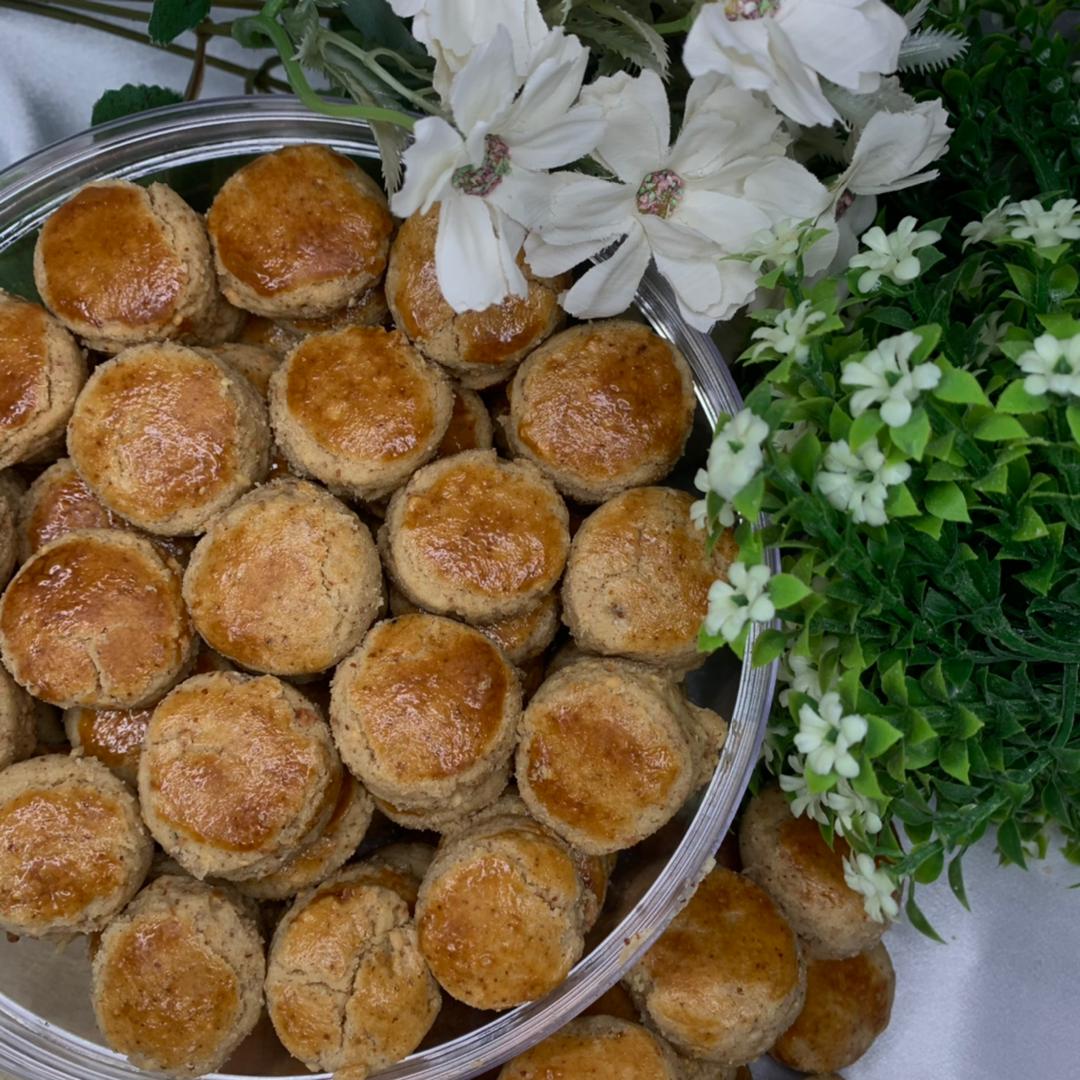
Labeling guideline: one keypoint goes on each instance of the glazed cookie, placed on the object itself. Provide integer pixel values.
(477, 537)
(119, 264)
(18, 722)
(346, 984)
(73, 849)
(96, 618)
(726, 978)
(11, 496)
(848, 1005)
(397, 867)
(236, 775)
(299, 233)
(789, 857)
(425, 713)
(480, 347)
(168, 436)
(286, 581)
(602, 407)
(42, 370)
(470, 425)
(608, 752)
(177, 979)
(638, 577)
(501, 913)
(359, 409)
(254, 363)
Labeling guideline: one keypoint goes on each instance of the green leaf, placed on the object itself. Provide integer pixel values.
(1010, 843)
(959, 387)
(817, 783)
(913, 436)
(947, 501)
(919, 920)
(865, 427)
(1063, 282)
(839, 424)
(866, 783)
(900, 503)
(880, 736)
(956, 880)
(929, 870)
(929, 525)
(748, 501)
(786, 590)
(1072, 417)
(131, 98)
(1060, 325)
(380, 27)
(806, 456)
(1024, 280)
(995, 482)
(1015, 399)
(1031, 527)
(893, 684)
(170, 18)
(769, 645)
(954, 760)
(921, 731)
(998, 428)
(970, 724)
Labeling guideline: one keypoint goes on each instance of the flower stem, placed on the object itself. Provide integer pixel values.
(380, 72)
(676, 26)
(198, 69)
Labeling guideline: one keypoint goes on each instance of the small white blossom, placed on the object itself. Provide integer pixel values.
(734, 457)
(887, 379)
(875, 886)
(826, 736)
(789, 332)
(991, 334)
(852, 812)
(1053, 366)
(892, 255)
(992, 227)
(1045, 228)
(779, 246)
(859, 482)
(742, 598)
(802, 677)
(786, 439)
(805, 801)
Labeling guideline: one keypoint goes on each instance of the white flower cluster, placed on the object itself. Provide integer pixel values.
(1027, 220)
(788, 336)
(515, 108)
(874, 885)
(858, 481)
(887, 379)
(827, 735)
(892, 255)
(735, 458)
(741, 599)
(1052, 365)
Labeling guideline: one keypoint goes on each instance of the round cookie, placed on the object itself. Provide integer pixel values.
(168, 436)
(42, 370)
(425, 713)
(608, 752)
(346, 983)
(119, 264)
(789, 857)
(397, 867)
(11, 496)
(329, 851)
(73, 849)
(602, 407)
(477, 537)
(726, 978)
(286, 581)
(96, 618)
(18, 721)
(470, 425)
(638, 577)
(446, 819)
(501, 913)
(177, 979)
(596, 1048)
(367, 309)
(236, 775)
(254, 363)
(481, 347)
(848, 1005)
(360, 409)
(299, 233)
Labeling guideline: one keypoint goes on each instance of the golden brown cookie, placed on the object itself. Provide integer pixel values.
(398, 867)
(18, 721)
(12, 492)
(470, 425)
(254, 363)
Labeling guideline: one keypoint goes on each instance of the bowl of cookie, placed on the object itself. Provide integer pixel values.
(351, 715)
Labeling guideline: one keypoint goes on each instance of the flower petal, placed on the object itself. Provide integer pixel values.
(572, 136)
(609, 287)
(638, 123)
(796, 91)
(586, 207)
(485, 86)
(437, 149)
(470, 267)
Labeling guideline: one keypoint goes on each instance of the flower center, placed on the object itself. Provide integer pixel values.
(750, 9)
(484, 178)
(660, 193)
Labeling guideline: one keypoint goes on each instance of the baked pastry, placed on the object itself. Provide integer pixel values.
(848, 1005)
(425, 713)
(236, 775)
(638, 577)
(726, 978)
(177, 979)
(285, 581)
(397, 867)
(119, 264)
(42, 370)
(96, 618)
(501, 913)
(480, 347)
(11, 496)
(602, 407)
(73, 849)
(18, 722)
(299, 232)
(789, 857)
(360, 409)
(609, 751)
(269, 334)
(477, 537)
(596, 1048)
(470, 425)
(346, 984)
(254, 363)
(329, 851)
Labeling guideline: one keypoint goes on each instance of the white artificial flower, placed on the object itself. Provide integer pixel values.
(451, 29)
(892, 255)
(992, 227)
(488, 171)
(888, 380)
(741, 599)
(779, 245)
(1052, 365)
(689, 206)
(826, 735)
(802, 677)
(859, 482)
(786, 439)
(784, 47)
(875, 886)
(1045, 228)
(852, 812)
(805, 801)
(734, 457)
(788, 335)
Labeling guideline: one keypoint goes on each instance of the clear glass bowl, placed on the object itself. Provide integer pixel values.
(47, 1030)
